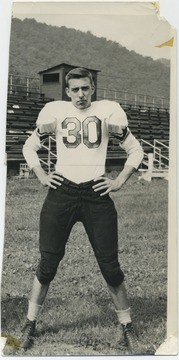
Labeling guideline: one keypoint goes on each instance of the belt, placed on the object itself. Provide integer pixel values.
(84, 185)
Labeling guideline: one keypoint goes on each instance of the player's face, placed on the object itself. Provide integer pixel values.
(80, 92)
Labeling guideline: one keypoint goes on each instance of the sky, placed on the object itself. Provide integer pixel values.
(133, 25)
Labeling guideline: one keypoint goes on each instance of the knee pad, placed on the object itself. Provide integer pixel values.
(112, 273)
(46, 272)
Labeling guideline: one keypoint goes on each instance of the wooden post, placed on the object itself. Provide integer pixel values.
(10, 81)
(153, 103)
(125, 97)
(150, 167)
(135, 100)
(27, 86)
(49, 149)
(162, 103)
(145, 100)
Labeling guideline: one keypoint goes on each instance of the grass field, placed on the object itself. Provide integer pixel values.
(78, 316)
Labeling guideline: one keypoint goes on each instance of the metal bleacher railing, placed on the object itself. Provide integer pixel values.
(135, 99)
(156, 159)
(148, 120)
(23, 85)
(30, 86)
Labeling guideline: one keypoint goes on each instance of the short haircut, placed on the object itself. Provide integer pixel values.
(78, 73)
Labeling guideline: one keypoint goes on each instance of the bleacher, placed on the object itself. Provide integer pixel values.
(22, 114)
(145, 122)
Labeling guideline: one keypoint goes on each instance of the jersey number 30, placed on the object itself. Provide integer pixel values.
(91, 129)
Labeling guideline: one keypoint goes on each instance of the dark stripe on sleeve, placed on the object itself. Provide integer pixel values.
(121, 136)
(42, 136)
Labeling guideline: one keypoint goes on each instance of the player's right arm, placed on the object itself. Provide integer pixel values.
(30, 148)
(50, 180)
(46, 125)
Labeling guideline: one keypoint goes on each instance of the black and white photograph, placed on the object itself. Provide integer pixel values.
(89, 246)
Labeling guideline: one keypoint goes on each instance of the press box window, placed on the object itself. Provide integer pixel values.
(51, 78)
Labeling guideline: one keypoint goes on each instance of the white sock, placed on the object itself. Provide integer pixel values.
(33, 311)
(124, 316)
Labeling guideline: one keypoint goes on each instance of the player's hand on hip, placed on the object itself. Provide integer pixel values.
(106, 184)
(52, 180)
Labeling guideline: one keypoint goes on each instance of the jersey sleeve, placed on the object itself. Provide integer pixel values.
(30, 148)
(133, 149)
(46, 121)
(117, 118)
(46, 125)
(118, 128)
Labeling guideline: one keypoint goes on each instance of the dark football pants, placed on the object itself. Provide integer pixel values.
(65, 206)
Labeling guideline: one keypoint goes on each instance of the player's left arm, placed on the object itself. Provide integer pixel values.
(134, 151)
(132, 147)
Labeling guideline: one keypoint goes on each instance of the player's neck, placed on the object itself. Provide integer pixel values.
(82, 110)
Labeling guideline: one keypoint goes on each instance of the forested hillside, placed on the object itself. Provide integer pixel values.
(36, 46)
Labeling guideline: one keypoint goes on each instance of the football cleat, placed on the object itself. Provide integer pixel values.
(131, 340)
(27, 334)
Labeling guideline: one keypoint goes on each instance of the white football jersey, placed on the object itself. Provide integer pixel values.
(81, 136)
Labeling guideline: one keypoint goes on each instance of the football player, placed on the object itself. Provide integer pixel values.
(79, 191)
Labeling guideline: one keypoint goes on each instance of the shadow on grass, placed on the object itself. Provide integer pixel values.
(97, 330)
(143, 308)
(13, 312)
(144, 311)
(147, 313)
